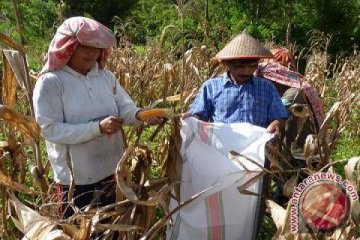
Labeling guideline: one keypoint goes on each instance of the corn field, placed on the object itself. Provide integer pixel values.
(150, 168)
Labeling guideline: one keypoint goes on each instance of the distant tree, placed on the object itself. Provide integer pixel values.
(101, 10)
(36, 18)
(215, 21)
(211, 22)
(337, 17)
(37, 21)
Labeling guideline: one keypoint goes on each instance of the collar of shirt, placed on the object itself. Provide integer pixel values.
(94, 71)
(227, 80)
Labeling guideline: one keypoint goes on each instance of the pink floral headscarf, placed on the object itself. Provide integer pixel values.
(280, 74)
(72, 32)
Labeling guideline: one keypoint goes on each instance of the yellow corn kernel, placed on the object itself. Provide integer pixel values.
(145, 114)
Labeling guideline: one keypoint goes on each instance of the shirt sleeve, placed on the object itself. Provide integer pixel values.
(126, 107)
(202, 104)
(48, 106)
(276, 108)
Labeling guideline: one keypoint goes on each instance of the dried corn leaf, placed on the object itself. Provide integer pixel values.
(241, 157)
(152, 201)
(290, 185)
(173, 164)
(4, 145)
(274, 156)
(300, 236)
(148, 217)
(8, 41)
(157, 226)
(310, 148)
(39, 181)
(70, 229)
(278, 213)
(233, 156)
(155, 184)
(352, 171)
(15, 186)
(345, 232)
(190, 96)
(84, 230)
(281, 219)
(300, 110)
(57, 235)
(355, 210)
(253, 178)
(26, 125)
(122, 179)
(78, 233)
(118, 227)
(329, 117)
(163, 35)
(271, 152)
(30, 223)
(174, 98)
(9, 85)
(17, 64)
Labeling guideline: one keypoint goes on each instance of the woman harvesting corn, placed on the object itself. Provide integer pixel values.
(78, 104)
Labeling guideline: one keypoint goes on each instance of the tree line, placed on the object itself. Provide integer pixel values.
(211, 22)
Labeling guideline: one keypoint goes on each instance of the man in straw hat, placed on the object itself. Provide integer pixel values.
(237, 95)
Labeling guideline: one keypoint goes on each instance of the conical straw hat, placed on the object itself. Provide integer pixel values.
(243, 46)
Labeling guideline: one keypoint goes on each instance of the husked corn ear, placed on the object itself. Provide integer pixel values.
(144, 115)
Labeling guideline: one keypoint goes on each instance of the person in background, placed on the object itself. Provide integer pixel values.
(81, 109)
(297, 96)
(300, 100)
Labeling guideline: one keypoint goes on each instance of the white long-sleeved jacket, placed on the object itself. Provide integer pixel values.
(68, 107)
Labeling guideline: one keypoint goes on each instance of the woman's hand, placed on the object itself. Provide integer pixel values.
(110, 125)
(276, 127)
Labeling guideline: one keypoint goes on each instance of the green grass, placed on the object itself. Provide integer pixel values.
(267, 229)
(140, 49)
(346, 148)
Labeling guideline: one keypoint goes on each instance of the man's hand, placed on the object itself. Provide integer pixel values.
(276, 127)
(187, 114)
(111, 125)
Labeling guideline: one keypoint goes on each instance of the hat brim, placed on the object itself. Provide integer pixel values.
(239, 57)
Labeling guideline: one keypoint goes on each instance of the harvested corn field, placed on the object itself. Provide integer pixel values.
(164, 80)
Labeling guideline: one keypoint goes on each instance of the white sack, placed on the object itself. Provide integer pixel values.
(222, 212)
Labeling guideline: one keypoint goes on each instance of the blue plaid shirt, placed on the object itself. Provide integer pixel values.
(256, 102)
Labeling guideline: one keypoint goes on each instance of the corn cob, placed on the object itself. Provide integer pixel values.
(145, 114)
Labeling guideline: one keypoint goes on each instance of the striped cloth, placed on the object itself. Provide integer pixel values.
(277, 73)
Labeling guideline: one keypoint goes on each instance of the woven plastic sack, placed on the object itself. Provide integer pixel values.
(221, 212)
